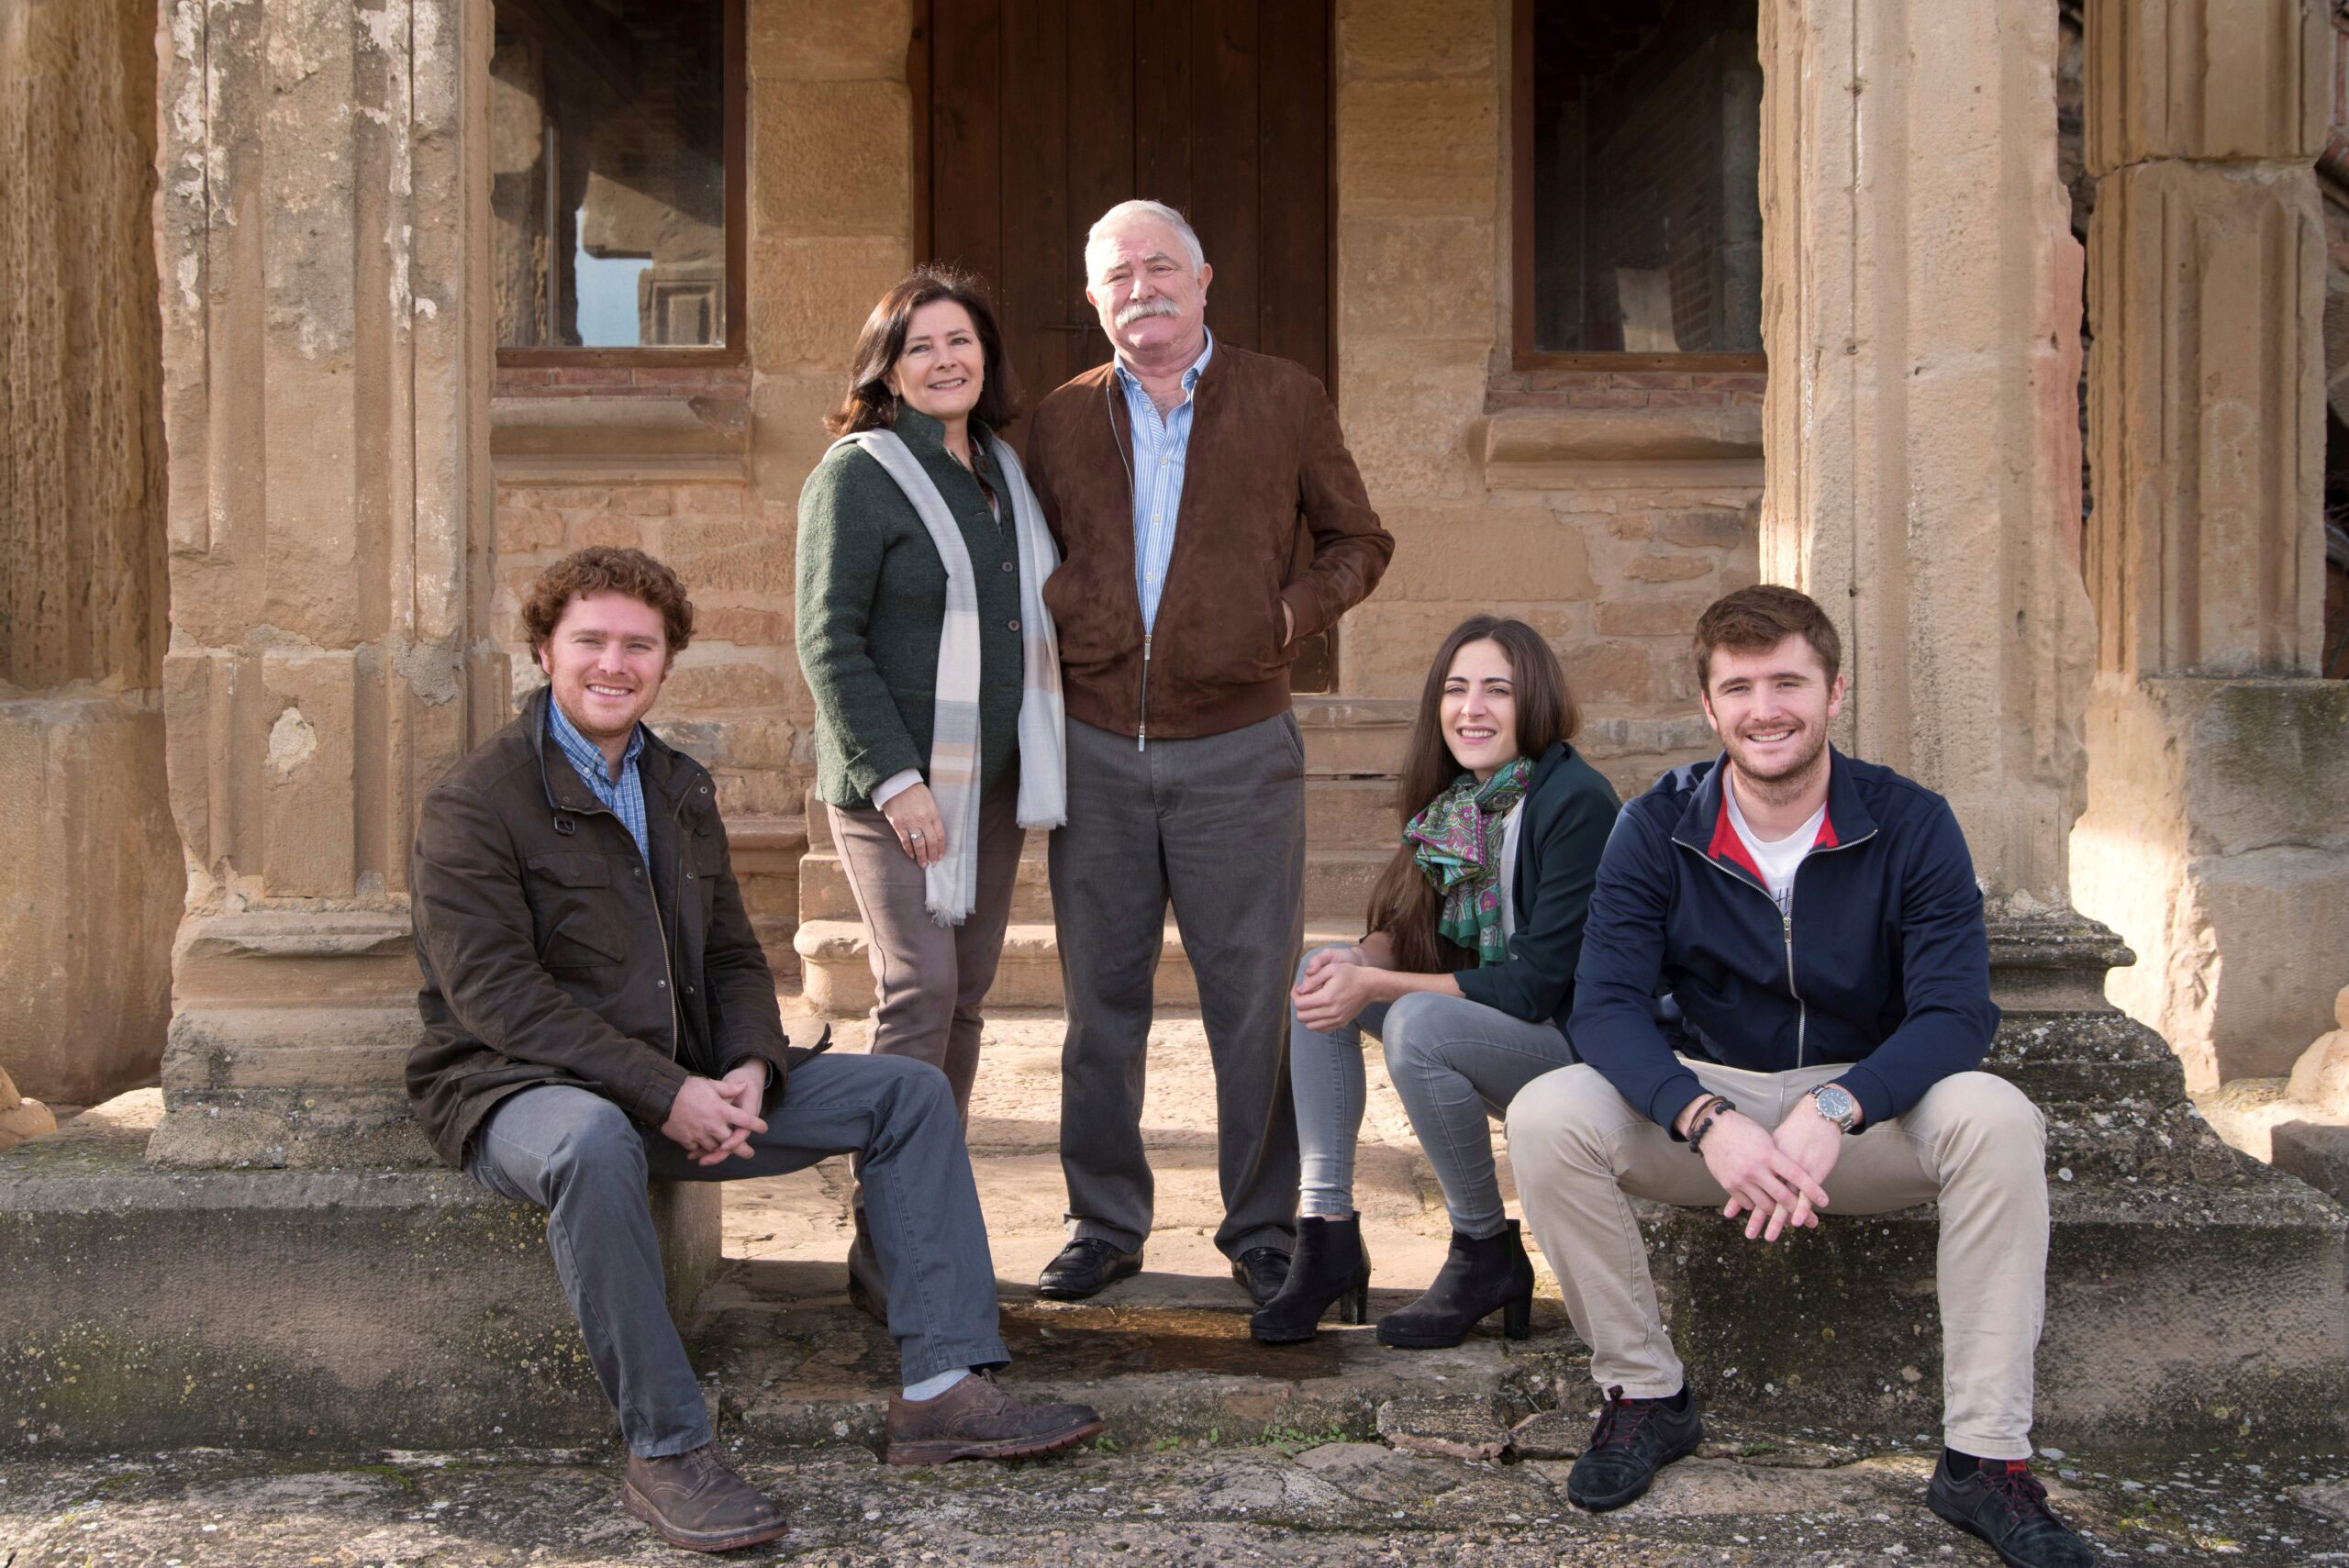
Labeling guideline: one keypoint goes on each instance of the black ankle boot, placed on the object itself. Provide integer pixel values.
(1328, 1265)
(1481, 1276)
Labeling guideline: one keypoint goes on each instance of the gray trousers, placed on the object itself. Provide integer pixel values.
(1214, 827)
(578, 1156)
(1455, 1063)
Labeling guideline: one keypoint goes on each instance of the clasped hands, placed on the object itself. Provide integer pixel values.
(1776, 1179)
(714, 1118)
(1337, 986)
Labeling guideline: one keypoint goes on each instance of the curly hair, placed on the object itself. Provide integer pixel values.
(601, 569)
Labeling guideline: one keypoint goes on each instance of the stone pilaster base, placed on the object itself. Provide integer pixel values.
(2216, 842)
(91, 882)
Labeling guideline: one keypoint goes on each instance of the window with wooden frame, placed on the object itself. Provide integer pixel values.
(1637, 207)
(616, 183)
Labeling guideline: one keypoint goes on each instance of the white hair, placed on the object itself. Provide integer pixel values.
(1157, 211)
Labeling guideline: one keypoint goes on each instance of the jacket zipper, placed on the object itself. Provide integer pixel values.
(1786, 926)
(1141, 731)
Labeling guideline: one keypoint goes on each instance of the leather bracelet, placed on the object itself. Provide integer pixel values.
(1722, 1105)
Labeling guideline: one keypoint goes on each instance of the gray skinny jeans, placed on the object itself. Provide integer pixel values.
(1454, 1064)
(578, 1156)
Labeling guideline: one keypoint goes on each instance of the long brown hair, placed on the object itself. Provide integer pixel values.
(1404, 904)
(870, 404)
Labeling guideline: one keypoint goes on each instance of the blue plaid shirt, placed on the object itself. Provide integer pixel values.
(1161, 449)
(626, 797)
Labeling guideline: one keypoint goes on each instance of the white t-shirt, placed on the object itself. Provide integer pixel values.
(1509, 825)
(1777, 861)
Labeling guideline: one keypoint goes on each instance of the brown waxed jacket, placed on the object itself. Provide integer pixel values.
(1274, 512)
(553, 953)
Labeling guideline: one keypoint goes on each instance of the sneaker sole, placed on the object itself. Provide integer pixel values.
(942, 1451)
(1616, 1500)
(639, 1504)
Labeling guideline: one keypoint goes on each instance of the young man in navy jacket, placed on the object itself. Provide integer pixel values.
(1816, 923)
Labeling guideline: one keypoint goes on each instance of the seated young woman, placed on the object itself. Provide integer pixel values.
(1465, 978)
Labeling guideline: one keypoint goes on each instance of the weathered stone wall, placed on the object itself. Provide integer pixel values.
(1607, 509)
(90, 878)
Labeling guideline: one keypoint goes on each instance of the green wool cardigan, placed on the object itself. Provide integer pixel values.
(872, 605)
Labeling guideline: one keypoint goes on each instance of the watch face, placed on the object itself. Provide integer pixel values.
(1834, 1104)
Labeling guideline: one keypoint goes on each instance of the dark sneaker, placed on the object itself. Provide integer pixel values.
(976, 1420)
(1084, 1267)
(2004, 1504)
(1633, 1440)
(693, 1500)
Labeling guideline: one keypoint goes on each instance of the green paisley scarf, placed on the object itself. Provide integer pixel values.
(1457, 838)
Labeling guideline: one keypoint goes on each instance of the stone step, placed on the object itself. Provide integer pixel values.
(1337, 884)
(838, 981)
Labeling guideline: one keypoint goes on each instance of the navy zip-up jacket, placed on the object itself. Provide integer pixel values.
(1883, 961)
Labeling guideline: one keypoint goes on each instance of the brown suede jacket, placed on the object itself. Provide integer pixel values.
(553, 955)
(1274, 512)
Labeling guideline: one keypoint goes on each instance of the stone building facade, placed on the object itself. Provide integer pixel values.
(271, 488)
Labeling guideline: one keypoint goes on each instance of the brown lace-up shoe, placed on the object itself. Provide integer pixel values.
(693, 1500)
(976, 1420)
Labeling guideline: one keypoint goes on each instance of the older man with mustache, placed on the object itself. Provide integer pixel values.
(1209, 517)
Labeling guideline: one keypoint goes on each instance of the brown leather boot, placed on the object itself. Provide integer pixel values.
(976, 1420)
(693, 1500)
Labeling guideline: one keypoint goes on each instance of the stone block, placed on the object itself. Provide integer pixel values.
(93, 890)
(2216, 842)
(1666, 568)
(1609, 674)
(1417, 38)
(2206, 420)
(2234, 79)
(1456, 554)
(701, 687)
(1416, 278)
(829, 40)
(1412, 414)
(788, 440)
(812, 178)
(810, 294)
(1662, 615)
(733, 556)
(1707, 530)
(1419, 147)
(2321, 1075)
(611, 530)
(309, 774)
(356, 1309)
(742, 624)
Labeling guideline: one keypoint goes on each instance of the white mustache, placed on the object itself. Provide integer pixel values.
(1142, 308)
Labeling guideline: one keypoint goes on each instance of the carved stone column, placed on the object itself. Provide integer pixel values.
(2217, 835)
(1920, 312)
(326, 312)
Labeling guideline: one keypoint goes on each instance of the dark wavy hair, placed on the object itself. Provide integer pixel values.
(870, 404)
(602, 569)
(1404, 904)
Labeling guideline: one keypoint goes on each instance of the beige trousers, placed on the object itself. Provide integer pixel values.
(1975, 1143)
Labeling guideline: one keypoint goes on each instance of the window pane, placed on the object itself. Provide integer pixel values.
(608, 122)
(1647, 143)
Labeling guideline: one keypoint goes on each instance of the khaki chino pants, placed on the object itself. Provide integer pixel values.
(1975, 1143)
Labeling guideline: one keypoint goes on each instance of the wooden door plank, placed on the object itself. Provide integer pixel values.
(1035, 192)
(1162, 92)
(1101, 144)
(1293, 212)
(1225, 147)
(965, 135)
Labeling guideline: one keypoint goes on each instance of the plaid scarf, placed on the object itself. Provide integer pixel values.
(1459, 836)
(952, 886)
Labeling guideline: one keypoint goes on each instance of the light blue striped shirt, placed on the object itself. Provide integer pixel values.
(626, 797)
(1161, 448)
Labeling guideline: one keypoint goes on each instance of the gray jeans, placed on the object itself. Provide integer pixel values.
(1214, 827)
(1454, 1064)
(578, 1156)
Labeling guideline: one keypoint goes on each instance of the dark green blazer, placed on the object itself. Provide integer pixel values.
(872, 603)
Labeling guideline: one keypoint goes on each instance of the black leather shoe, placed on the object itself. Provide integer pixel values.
(1481, 1276)
(1633, 1440)
(1084, 1267)
(2005, 1504)
(1330, 1265)
(1261, 1272)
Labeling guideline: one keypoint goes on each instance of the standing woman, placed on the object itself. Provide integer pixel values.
(923, 635)
(1476, 927)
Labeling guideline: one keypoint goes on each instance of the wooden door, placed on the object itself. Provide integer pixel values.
(1044, 114)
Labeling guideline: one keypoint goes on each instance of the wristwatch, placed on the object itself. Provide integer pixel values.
(1835, 1103)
